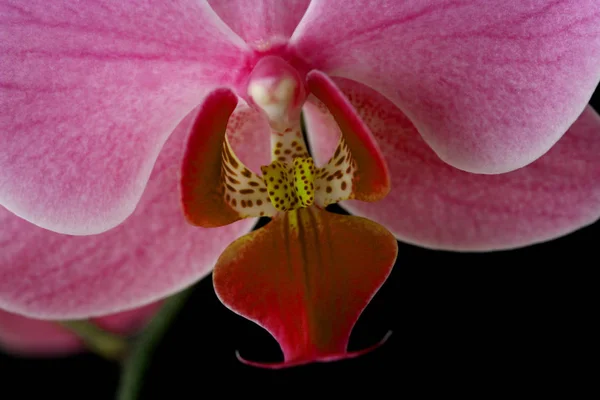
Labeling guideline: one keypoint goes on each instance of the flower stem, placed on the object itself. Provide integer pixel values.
(136, 364)
(108, 345)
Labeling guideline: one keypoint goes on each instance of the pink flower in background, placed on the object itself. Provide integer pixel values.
(478, 109)
(31, 337)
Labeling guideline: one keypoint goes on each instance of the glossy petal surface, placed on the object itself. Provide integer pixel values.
(33, 337)
(88, 95)
(434, 205)
(371, 181)
(261, 22)
(213, 178)
(490, 85)
(153, 254)
(306, 277)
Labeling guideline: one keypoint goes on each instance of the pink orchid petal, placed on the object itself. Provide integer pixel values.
(261, 22)
(153, 254)
(29, 337)
(88, 96)
(435, 205)
(490, 85)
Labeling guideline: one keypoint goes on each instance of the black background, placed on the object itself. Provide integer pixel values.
(513, 322)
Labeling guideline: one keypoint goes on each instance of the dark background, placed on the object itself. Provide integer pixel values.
(515, 322)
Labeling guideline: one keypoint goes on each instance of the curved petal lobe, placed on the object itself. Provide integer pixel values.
(153, 254)
(490, 85)
(88, 95)
(261, 22)
(216, 187)
(33, 337)
(372, 179)
(306, 277)
(434, 205)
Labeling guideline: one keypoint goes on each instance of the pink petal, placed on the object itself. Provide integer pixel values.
(89, 94)
(261, 22)
(490, 85)
(153, 254)
(26, 336)
(435, 205)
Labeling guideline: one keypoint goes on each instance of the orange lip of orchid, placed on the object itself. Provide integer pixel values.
(308, 274)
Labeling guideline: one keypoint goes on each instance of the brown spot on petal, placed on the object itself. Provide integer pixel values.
(229, 170)
(337, 152)
(232, 180)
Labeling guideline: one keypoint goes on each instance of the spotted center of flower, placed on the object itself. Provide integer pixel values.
(290, 187)
(307, 275)
(291, 181)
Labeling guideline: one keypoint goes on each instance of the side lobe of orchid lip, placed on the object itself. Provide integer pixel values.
(372, 178)
(306, 277)
(201, 190)
(216, 187)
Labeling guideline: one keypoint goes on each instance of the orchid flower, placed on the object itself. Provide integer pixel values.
(24, 336)
(471, 114)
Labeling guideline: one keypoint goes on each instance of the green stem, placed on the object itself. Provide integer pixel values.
(137, 363)
(108, 345)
